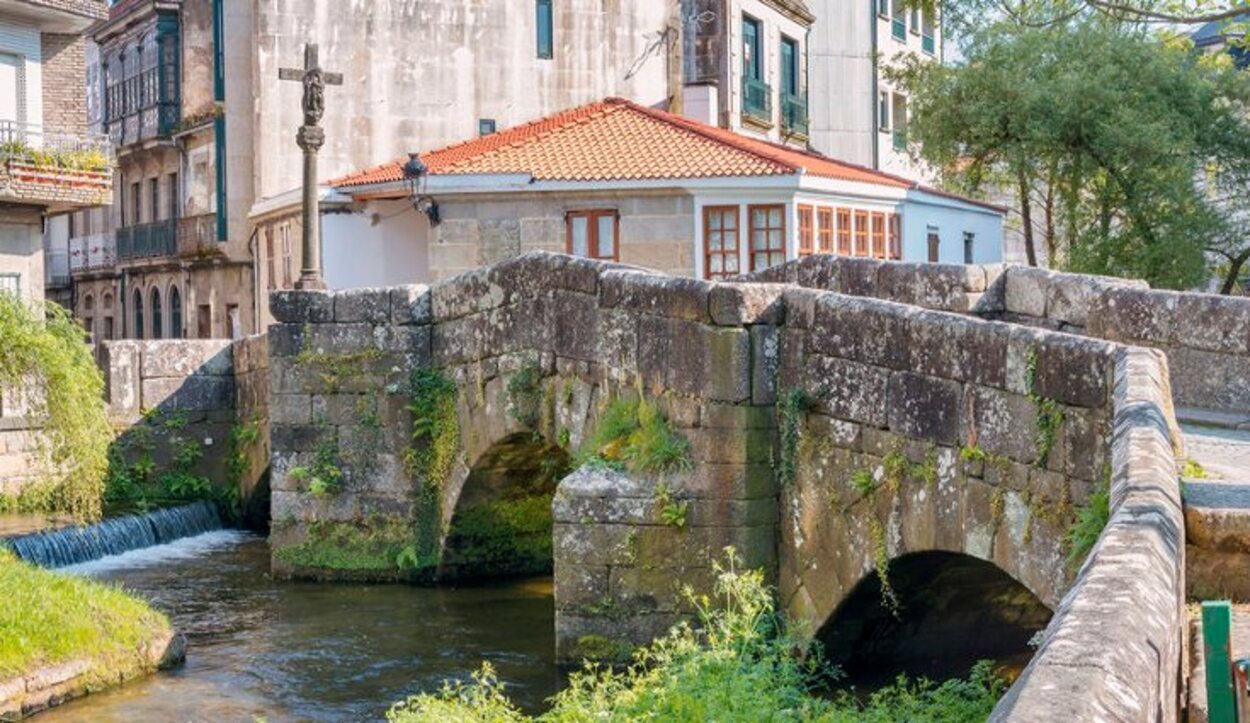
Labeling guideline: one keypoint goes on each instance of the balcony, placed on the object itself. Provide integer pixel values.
(927, 44)
(197, 237)
(794, 114)
(95, 252)
(757, 101)
(57, 171)
(147, 240)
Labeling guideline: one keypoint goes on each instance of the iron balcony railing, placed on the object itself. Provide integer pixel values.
(92, 252)
(197, 235)
(794, 113)
(926, 44)
(757, 100)
(30, 143)
(147, 240)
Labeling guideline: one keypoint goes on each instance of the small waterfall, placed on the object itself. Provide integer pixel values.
(75, 545)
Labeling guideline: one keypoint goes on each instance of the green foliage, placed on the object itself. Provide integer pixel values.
(49, 618)
(1049, 414)
(525, 394)
(93, 160)
(881, 563)
(323, 476)
(1091, 518)
(672, 510)
(375, 544)
(44, 350)
(635, 435)
(243, 437)
(435, 428)
(972, 453)
(862, 482)
(741, 663)
(1191, 469)
(508, 535)
(794, 406)
(1103, 133)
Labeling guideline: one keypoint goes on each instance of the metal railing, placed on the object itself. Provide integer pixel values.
(92, 253)
(794, 113)
(197, 235)
(147, 240)
(757, 100)
(30, 143)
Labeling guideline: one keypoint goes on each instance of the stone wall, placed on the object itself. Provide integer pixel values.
(1114, 648)
(1206, 337)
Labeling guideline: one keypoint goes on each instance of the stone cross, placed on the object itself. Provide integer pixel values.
(310, 138)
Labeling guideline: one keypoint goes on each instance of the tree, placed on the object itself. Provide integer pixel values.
(1100, 131)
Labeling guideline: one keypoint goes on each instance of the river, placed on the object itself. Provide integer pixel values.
(291, 651)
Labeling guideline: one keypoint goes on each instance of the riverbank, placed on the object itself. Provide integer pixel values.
(62, 637)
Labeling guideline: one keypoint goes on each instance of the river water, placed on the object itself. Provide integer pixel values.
(290, 651)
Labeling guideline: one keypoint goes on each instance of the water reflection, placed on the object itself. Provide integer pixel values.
(310, 651)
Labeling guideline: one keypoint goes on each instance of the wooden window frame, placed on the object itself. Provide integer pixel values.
(807, 229)
(845, 247)
(751, 234)
(896, 237)
(878, 235)
(592, 216)
(824, 230)
(861, 244)
(737, 245)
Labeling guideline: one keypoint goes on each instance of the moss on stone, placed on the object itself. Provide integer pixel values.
(508, 536)
(375, 544)
(599, 649)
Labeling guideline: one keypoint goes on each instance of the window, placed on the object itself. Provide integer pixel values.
(270, 263)
(204, 322)
(926, 33)
(861, 234)
(899, 111)
(11, 284)
(175, 313)
(935, 243)
(883, 8)
(107, 331)
(807, 233)
(970, 242)
(138, 311)
(824, 231)
(136, 203)
(768, 235)
(593, 234)
(284, 232)
(915, 21)
(485, 126)
(154, 199)
(878, 235)
(752, 62)
(844, 231)
(898, 25)
(158, 327)
(883, 111)
(174, 210)
(720, 241)
(896, 236)
(546, 42)
(789, 66)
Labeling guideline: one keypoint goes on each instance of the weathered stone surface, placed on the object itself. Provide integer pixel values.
(945, 287)
(765, 364)
(849, 390)
(1214, 323)
(1026, 290)
(1073, 370)
(743, 304)
(193, 394)
(864, 330)
(1210, 380)
(1135, 315)
(372, 306)
(184, 357)
(298, 306)
(956, 347)
(411, 305)
(1005, 423)
(925, 407)
(665, 296)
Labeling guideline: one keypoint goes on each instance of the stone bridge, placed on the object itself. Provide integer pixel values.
(905, 472)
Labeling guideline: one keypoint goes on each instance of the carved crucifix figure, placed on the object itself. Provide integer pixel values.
(310, 139)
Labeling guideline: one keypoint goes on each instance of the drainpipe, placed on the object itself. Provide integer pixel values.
(253, 248)
(219, 121)
(876, 121)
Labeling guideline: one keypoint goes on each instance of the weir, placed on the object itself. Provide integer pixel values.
(76, 545)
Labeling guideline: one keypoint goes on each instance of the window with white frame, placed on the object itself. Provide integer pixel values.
(11, 284)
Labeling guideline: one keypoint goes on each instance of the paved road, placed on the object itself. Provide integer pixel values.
(1223, 453)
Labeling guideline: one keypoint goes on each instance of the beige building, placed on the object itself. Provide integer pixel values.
(49, 163)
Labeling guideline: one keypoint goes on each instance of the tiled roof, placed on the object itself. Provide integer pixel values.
(618, 140)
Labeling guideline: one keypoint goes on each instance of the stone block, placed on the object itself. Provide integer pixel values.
(863, 330)
(343, 339)
(411, 305)
(575, 274)
(464, 294)
(957, 347)
(580, 586)
(122, 363)
(369, 305)
(944, 287)
(1022, 346)
(819, 271)
(693, 358)
(665, 296)
(1210, 380)
(1074, 370)
(290, 409)
(1026, 290)
(737, 416)
(729, 446)
(1214, 323)
(1004, 423)
(594, 544)
(765, 363)
(925, 407)
(849, 390)
(286, 340)
(858, 276)
(730, 481)
(340, 409)
(1135, 315)
(1071, 297)
(193, 394)
(184, 357)
(575, 321)
(299, 306)
(743, 304)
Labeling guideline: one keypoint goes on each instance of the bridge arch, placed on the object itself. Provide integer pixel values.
(944, 611)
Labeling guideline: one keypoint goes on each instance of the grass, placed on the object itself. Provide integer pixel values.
(377, 544)
(635, 435)
(741, 663)
(49, 618)
(1090, 521)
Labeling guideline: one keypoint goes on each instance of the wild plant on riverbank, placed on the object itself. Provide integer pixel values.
(741, 663)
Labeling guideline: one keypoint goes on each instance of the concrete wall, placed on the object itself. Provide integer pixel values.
(841, 95)
(21, 253)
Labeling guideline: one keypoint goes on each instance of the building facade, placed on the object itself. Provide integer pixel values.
(50, 163)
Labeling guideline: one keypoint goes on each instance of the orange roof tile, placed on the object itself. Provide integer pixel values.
(617, 140)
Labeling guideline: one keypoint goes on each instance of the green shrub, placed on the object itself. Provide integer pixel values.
(44, 349)
(635, 435)
(1090, 521)
(740, 664)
